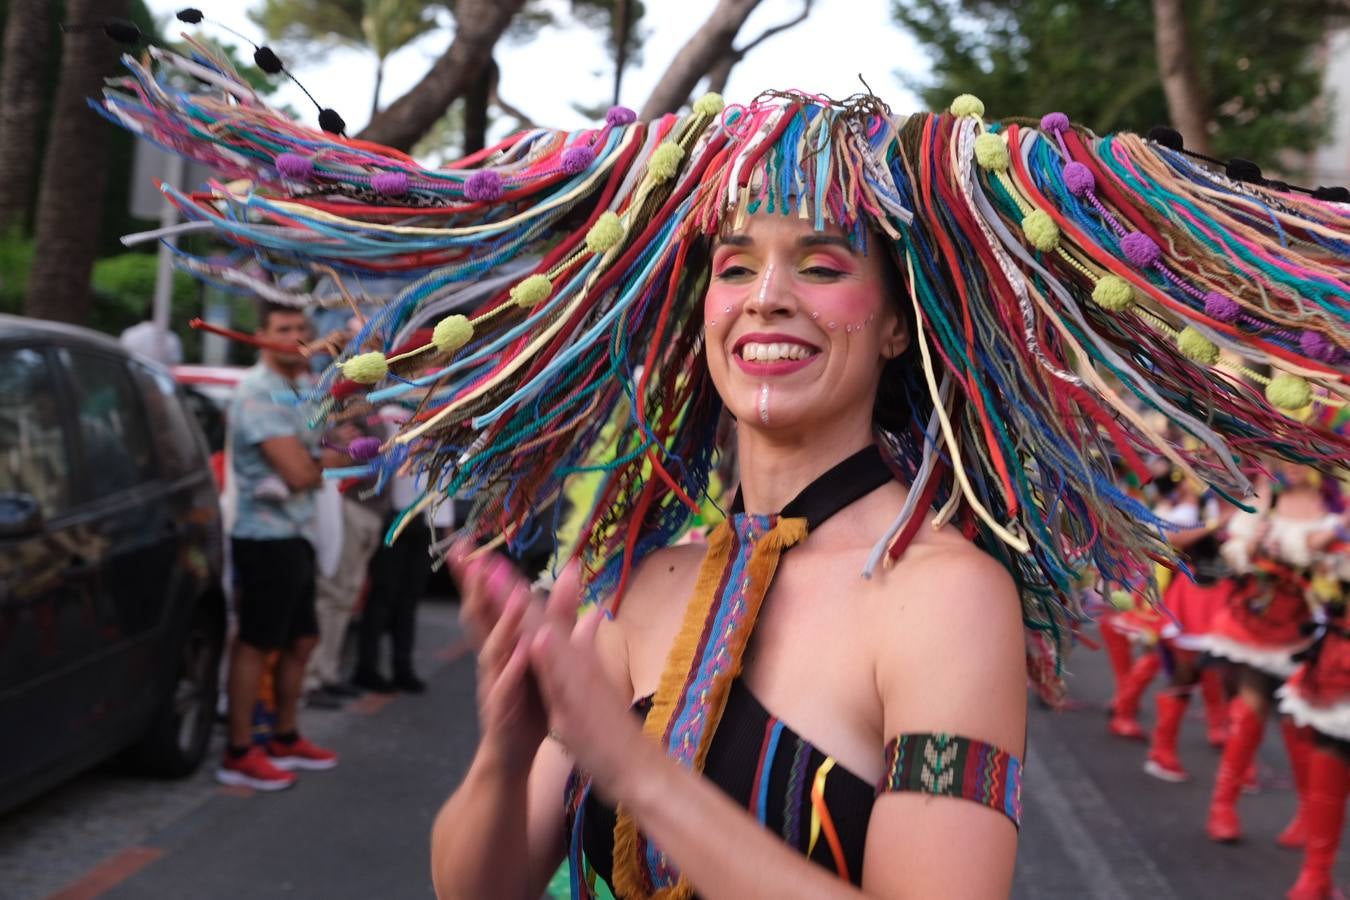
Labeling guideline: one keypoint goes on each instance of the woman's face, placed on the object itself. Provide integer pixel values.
(798, 327)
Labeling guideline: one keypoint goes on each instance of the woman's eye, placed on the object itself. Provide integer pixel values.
(730, 272)
(822, 272)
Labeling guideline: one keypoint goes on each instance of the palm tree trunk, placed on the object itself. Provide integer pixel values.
(476, 100)
(22, 83)
(74, 171)
(1186, 103)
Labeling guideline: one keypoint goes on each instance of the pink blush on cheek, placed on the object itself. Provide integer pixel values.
(851, 302)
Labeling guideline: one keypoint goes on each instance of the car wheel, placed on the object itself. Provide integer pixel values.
(177, 738)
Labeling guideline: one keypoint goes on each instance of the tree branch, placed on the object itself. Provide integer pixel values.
(777, 29)
(713, 41)
(478, 26)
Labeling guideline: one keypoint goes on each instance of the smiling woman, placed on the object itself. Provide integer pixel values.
(934, 334)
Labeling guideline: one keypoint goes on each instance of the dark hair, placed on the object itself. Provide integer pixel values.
(266, 309)
(893, 409)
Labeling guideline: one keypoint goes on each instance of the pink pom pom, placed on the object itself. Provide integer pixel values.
(483, 186)
(391, 183)
(1318, 347)
(618, 116)
(295, 167)
(1140, 249)
(364, 449)
(1221, 308)
(1055, 122)
(1079, 179)
(577, 159)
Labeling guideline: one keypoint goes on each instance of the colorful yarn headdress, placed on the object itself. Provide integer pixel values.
(1065, 288)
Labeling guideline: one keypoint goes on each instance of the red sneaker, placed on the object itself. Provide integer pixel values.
(254, 770)
(300, 754)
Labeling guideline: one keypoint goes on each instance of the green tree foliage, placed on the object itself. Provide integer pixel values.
(1096, 61)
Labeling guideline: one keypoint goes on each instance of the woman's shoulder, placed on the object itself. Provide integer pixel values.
(945, 593)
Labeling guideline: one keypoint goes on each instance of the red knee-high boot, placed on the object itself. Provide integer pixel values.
(1119, 654)
(1162, 752)
(1328, 783)
(1125, 716)
(1244, 737)
(1299, 743)
(1216, 706)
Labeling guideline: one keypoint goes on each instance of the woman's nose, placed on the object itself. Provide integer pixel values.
(771, 293)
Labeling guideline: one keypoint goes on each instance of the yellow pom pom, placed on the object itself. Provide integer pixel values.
(1041, 230)
(665, 161)
(366, 368)
(1194, 345)
(451, 333)
(968, 105)
(1123, 601)
(710, 104)
(533, 290)
(1288, 392)
(991, 153)
(1113, 293)
(605, 233)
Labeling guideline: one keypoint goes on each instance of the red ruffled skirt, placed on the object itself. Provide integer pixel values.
(1195, 607)
(1318, 694)
(1260, 626)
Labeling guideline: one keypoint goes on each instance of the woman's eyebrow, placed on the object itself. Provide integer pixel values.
(825, 240)
(736, 240)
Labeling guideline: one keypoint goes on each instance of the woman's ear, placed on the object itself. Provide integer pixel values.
(895, 336)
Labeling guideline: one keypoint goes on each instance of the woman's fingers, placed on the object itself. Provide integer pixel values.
(509, 680)
(503, 636)
(565, 596)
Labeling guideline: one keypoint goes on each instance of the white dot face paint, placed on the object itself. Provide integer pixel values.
(764, 403)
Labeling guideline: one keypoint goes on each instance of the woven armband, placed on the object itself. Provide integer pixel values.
(949, 765)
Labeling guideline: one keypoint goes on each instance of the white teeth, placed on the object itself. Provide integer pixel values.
(753, 352)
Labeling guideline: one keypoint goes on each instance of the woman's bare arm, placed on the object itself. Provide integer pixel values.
(499, 835)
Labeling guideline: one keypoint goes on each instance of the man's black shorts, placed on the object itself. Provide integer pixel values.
(274, 591)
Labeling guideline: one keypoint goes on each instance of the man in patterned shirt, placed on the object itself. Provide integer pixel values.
(276, 467)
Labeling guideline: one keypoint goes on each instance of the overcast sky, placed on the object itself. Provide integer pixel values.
(825, 54)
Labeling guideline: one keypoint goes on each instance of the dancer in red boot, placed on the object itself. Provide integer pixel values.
(1317, 698)
(1125, 714)
(1262, 626)
(1215, 694)
(1193, 598)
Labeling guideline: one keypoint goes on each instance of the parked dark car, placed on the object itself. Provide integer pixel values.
(112, 617)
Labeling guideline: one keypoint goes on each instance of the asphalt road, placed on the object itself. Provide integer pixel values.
(1095, 825)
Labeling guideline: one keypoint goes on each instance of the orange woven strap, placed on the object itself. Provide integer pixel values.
(743, 555)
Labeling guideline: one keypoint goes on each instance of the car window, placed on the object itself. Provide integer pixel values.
(113, 437)
(210, 417)
(170, 422)
(34, 450)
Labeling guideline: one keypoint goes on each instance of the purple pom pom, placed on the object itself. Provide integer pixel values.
(364, 449)
(1318, 347)
(1221, 308)
(619, 116)
(577, 158)
(391, 183)
(1140, 249)
(1055, 122)
(483, 186)
(1079, 179)
(295, 167)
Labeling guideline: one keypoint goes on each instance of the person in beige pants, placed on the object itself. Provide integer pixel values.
(336, 594)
